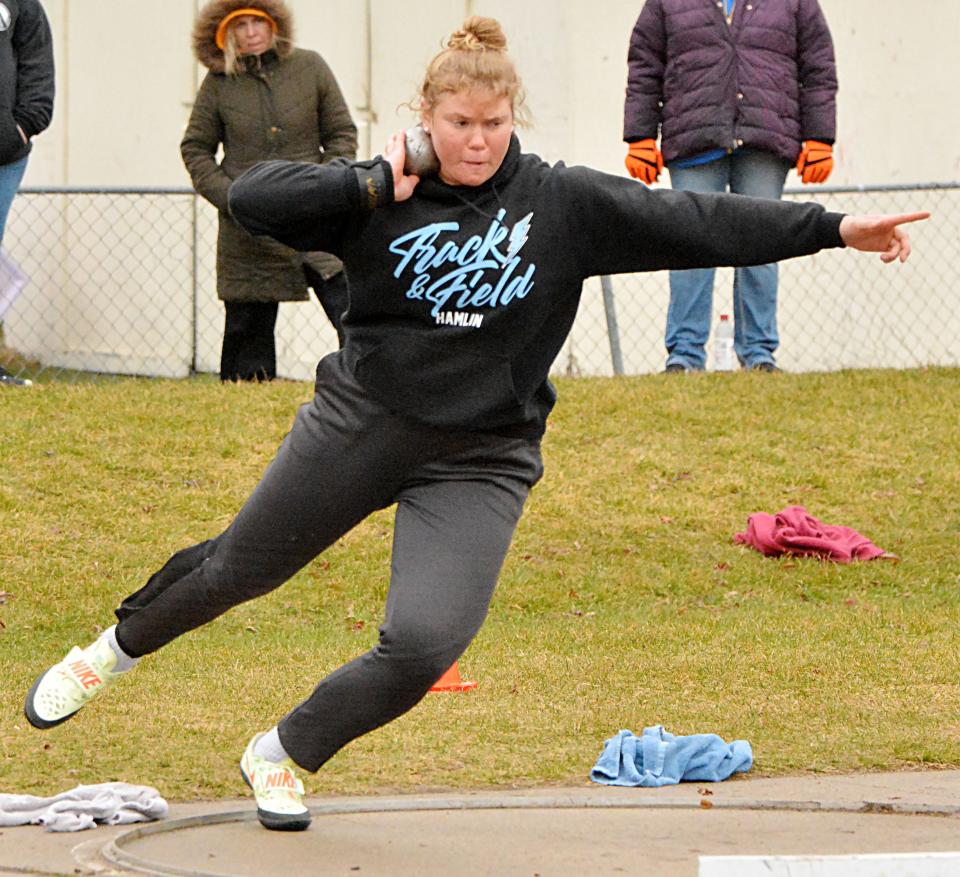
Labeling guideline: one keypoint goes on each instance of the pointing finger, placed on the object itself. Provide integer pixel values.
(901, 218)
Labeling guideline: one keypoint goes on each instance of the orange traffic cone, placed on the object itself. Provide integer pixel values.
(451, 681)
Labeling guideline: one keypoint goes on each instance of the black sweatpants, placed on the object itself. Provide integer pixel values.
(459, 497)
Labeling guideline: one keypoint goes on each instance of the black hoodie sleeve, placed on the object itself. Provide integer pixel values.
(35, 81)
(617, 225)
(309, 206)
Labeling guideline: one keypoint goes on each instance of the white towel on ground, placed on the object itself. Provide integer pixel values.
(84, 807)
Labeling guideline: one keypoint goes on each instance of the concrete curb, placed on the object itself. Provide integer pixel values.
(118, 853)
(560, 831)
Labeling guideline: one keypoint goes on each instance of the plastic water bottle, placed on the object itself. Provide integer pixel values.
(723, 355)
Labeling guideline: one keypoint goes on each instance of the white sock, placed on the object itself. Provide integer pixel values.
(124, 661)
(270, 747)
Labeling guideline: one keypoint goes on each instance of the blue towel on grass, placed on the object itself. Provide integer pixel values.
(658, 758)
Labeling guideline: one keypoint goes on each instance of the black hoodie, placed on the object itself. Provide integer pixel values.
(461, 297)
(26, 75)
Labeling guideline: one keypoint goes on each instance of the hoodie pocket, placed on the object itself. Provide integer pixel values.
(12, 146)
(437, 383)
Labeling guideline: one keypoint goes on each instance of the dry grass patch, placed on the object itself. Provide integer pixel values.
(623, 602)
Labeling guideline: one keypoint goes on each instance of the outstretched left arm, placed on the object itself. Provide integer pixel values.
(617, 226)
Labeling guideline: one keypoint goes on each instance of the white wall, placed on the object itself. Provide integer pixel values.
(126, 79)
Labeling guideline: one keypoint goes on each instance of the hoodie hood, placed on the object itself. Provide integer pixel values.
(208, 19)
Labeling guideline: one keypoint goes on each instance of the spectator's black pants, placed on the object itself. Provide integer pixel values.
(249, 349)
(249, 352)
(458, 496)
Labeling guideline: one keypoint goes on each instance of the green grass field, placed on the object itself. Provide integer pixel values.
(624, 602)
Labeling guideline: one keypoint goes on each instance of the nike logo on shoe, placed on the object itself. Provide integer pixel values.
(85, 674)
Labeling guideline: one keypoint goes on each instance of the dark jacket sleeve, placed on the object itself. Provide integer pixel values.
(202, 139)
(309, 206)
(35, 78)
(817, 72)
(338, 133)
(646, 61)
(617, 226)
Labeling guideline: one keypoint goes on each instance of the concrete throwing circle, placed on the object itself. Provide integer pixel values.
(572, 835)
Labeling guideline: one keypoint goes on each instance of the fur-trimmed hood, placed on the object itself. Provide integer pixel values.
(205, 28)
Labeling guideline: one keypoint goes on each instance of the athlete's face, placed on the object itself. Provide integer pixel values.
(471, 134)
(253, 34)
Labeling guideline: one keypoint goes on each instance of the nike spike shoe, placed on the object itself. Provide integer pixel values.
(278, 791)
(67, 686)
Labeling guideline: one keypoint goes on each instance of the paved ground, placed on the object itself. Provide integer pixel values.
(571, 832)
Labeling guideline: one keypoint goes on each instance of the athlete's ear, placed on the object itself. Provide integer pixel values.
(426, 116)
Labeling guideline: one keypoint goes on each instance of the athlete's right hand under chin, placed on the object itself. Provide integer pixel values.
(395, 154)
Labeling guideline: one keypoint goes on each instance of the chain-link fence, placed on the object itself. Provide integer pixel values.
(836, 309)
(122, 281)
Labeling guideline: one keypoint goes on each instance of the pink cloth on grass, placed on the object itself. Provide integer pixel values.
(794, 531)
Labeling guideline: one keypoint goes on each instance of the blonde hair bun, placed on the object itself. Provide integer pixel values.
(475, 56)
(478, 34)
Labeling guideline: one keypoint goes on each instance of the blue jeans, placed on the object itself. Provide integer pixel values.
(10, 177)
(762, 175)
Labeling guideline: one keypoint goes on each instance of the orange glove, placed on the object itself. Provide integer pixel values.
(644, 161)
(815, 162)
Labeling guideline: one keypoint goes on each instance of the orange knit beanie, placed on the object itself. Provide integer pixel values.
(221, 37)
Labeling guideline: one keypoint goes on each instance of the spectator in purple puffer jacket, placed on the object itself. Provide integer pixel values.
(738, 91)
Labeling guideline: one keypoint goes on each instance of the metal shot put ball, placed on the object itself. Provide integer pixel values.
(421, 159)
